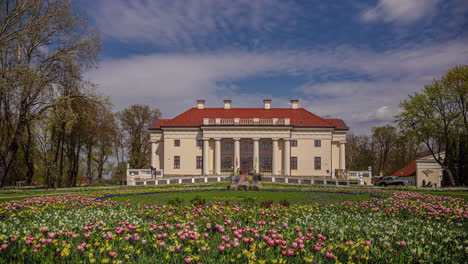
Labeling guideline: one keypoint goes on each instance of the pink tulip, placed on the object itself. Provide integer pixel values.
(37, 246)
(188, 260)
(403, 243)
(4, 246)
(13, 239)
(368, 243)
(112, 254)
(221, 247)
(203, 249)
(329, 255)
(51, 235)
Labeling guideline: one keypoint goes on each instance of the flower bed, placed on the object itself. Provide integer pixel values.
(407, 227)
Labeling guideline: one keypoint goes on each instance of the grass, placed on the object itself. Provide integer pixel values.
(297, 196)
(303, 197)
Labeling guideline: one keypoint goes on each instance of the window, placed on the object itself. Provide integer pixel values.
(293, 143)
(200, 143)
(176, 162)
(318, 143)
(293, 163)
(176, 142)
(318, 163)
(199, 162)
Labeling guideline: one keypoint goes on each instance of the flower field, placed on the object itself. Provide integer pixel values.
(408, 227)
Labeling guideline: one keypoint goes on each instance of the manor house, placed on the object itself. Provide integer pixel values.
(271, 141)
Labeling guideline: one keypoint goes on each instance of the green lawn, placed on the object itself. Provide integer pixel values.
(297, 196)
(303, 197)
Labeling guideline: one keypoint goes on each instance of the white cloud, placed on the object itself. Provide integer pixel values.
(187, 23)
(401, 11)
(173, 82)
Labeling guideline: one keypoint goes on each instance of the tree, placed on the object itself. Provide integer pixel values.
(105, 135)
(360, 152)
(435, 117)
(384, 138)
(134, 122)
(44, 46)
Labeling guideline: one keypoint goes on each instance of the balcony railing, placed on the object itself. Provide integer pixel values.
(246, 121)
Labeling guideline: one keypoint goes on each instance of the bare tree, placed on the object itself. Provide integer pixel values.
(42, 43)
(384, 138)
(134, 122)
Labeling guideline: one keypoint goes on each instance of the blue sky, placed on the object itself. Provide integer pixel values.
(354, 60)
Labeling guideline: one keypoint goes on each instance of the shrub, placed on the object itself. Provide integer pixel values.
(285, 203)
(242, 187)
(175, 202)
(197, 201)
(255, 188)
(266, 204)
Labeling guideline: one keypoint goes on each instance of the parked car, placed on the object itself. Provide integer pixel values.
(392, 180)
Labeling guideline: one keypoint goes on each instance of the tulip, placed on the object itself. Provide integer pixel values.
(329, 255)
(4, 246)
(51, 235)
(112, 254)
(221, 247)
(403, 243)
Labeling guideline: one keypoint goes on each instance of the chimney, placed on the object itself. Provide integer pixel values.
(200, 104)
(267, 103)
(227, 104)
(294, 104)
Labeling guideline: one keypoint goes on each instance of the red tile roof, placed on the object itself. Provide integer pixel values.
(298, 117)
(408, 170)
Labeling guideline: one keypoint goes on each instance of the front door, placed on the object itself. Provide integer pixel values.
(246, 163)
(246, 155)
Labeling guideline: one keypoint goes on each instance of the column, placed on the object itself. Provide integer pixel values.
(217, 156)
(154, 146)
(236, 154)
(206, 156)
(342, 155)
(256, 155)
(287, 156)
(274, 157)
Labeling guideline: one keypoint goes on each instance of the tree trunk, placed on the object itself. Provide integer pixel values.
(11, 152)
(88, 162)
(28, 156)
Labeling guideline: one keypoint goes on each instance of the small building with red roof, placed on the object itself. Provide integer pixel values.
(423, 172)
(270, 141)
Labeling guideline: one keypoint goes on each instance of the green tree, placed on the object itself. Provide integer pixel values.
(44, 47)
(435, 117)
